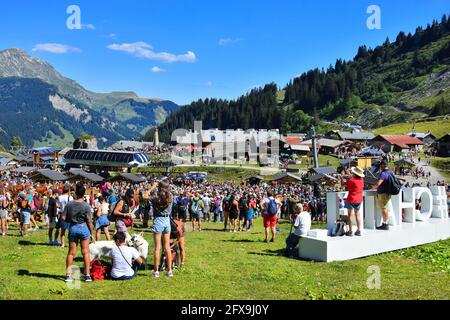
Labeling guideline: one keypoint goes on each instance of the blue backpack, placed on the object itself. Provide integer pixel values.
(272, 208)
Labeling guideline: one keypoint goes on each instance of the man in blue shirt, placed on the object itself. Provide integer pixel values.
(383, 197)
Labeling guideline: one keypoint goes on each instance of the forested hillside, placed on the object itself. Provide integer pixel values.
(395, 82)
(28, 113)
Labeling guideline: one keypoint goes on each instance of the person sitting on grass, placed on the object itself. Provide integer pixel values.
(302, 225)
(126, 260)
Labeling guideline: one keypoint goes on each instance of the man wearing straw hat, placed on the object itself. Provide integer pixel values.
(355, 188)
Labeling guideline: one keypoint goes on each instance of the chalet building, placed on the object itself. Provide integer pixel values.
(327, 146)
(292, 144)
(443, 146)
(44, 155)
(353, 136)
(397, 143)
(427, 138)
(132, 145)
(231, 145)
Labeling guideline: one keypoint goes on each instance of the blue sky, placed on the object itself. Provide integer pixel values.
(185, 50)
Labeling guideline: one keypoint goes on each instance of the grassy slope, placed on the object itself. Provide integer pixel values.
(53, 140)
(443, 165)
(439, 128)
(231, 266)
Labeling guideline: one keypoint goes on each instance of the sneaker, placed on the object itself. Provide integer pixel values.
(266, 240)
(51, 242)
(63, 245)
(358, 233)
(272, 240)
(234, 231)
(231, 230)
(384, 227)
(68, 278)
(87, 279)
(349, 234)
(155, 274)
(170, 274)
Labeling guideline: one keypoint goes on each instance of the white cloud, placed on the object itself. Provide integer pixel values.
(158, 70)
(88, 26)
(226, 41)
(55, 48)
(144, 50)
(111, 36)
(208, 84)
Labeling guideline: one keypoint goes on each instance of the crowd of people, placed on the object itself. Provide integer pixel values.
(76, 215)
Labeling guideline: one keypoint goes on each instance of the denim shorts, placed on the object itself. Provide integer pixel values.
(251, 214)
(199, 215)
(61, 224)
(354, 206)
(102, 221)
(161, 225)
(25, 217)
(3, 214)
(79, 232)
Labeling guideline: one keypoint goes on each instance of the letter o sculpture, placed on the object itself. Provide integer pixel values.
(424, 194)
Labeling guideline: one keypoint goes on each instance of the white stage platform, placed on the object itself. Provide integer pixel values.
(408, 227)
(374, 241)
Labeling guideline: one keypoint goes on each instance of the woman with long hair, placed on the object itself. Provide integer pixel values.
(162, 208)
(102, 223)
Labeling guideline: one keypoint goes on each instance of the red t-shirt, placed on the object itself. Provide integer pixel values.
(355, 187)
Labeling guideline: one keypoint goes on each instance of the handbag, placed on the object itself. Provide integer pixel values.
(99, 270)
(128, 221)
(339, 230)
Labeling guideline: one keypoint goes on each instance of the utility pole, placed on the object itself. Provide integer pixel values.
(314, 145)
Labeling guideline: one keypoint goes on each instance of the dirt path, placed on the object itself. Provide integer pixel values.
(434, 178)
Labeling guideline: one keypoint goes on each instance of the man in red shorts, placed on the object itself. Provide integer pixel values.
(270, 207)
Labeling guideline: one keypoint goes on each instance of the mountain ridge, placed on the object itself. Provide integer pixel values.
(121, 108)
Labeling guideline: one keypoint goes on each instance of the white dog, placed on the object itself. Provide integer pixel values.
(102, 249)
(140, 244)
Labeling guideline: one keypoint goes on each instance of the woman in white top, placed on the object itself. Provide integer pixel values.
(302, 226)
(102, 223)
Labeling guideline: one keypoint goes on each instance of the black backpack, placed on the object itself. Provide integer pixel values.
(112, 207)
(392, 185)
(175, 229)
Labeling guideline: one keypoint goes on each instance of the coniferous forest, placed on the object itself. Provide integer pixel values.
(398, 80)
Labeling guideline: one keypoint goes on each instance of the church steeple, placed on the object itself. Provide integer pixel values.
(156, 138)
